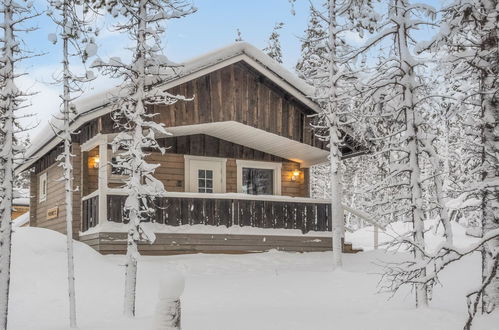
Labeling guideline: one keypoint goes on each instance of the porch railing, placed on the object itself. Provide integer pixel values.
(305, 214)
(227, 210)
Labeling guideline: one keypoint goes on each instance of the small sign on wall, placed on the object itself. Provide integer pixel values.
(52, 213)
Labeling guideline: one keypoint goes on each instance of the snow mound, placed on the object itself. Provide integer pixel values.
(41, 241)
(364, 238)
(285, 291)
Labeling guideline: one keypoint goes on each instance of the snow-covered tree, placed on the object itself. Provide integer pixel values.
(144, 22)
(469, 32)
(395, 96)
(313, 48)
(74, 32)
(330, 78)
(273, 48)
(15, 14)
(239, 36)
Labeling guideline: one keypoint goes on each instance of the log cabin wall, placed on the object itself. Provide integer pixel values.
(55, 198)
(33, 198)
(55, 195)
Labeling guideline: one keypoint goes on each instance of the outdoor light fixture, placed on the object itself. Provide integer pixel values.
(295, 175)
(93, 162)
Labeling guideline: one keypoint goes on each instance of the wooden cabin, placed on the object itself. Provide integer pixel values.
(236, 168)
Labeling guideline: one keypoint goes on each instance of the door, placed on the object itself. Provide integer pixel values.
(205, 176)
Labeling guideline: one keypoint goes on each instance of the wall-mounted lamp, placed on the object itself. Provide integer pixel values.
(93, 162)
(295, 175)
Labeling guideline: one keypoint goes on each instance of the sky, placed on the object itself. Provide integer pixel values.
(214, 25)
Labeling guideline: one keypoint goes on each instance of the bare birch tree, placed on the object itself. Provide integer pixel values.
(15, 15)
(73, 30)
(395, 94)
(144, 22)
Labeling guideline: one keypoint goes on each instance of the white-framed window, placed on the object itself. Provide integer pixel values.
(258, 178)
(205, 174)
(42, 187)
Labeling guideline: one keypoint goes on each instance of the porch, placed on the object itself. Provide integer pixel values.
(213, 223)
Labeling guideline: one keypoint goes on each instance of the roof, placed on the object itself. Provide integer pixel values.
(21, 220)
(88, 108)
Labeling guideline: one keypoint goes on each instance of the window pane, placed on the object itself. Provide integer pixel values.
(209, 174)
(201, 174)
(201, 190)
(201, 183)
(258, 181)
(209, 190)
(209, 183)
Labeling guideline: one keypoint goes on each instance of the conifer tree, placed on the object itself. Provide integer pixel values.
(273, 48)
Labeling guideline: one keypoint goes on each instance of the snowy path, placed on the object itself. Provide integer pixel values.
(225, 292)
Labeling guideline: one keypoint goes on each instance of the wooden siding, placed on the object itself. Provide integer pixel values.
(56, 197)
(209, 146)
(231, 176)
(238, 93)
(48, 159)
(173, 244)
(33, 199)
(170, 171)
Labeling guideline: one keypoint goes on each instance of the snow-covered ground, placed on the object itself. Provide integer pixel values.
(272, 290)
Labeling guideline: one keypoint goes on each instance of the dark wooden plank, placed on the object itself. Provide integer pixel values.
(279, 215)
(310, 217)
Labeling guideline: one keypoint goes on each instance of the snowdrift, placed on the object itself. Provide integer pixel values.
(273, 290)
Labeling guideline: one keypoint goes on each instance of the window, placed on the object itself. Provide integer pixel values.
(205, 181)
(258, 178)
(42, 187)
(205, 174)
(258, 181)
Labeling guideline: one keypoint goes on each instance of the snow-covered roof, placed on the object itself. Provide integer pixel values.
(24, 201)
(21, 220)
(239, 51)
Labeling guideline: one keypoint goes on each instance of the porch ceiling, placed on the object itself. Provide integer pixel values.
(257, 139)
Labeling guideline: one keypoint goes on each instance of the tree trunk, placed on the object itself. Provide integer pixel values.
(490, 162)
(7, 161)
(133, 200)
(413, 119)
(68, 172)
(337, 221)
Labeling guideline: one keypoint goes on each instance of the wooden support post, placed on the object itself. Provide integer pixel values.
(102, 184)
